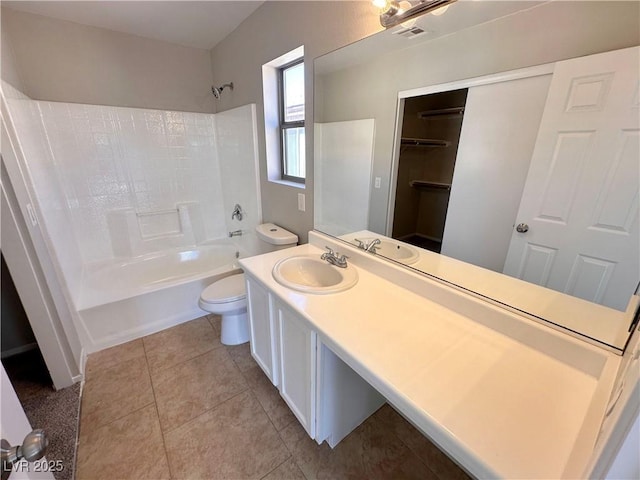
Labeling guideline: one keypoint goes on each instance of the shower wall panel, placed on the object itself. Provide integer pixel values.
(41, 171)
(88, 162)
(237, 155)
(111, 158)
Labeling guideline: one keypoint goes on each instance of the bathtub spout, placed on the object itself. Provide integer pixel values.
(235, 233)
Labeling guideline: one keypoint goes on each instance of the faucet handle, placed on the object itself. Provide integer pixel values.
(361, 244)
(329, 250)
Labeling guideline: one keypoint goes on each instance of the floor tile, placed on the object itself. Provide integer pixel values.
(232, 441)
(189, 389)
(370, 452)
(215, 321)
(180, 343)
(241, 355)
(111, 357)
(287, 471)
(430, 454)
(269, 397)
(129, 448)
(115, 392)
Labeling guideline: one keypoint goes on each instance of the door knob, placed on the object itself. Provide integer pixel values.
(522, 228)
(33, 448)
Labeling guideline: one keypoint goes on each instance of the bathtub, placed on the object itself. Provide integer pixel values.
(124, 300)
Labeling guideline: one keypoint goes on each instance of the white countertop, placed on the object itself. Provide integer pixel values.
(503, 402)
(605, 325)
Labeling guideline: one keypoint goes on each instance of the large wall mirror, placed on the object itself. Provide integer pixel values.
(494, 146)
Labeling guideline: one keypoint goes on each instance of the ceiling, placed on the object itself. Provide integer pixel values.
(192, 24)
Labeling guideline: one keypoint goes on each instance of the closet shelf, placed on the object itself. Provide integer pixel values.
(442, 112)
(425, 184)
(423, 142)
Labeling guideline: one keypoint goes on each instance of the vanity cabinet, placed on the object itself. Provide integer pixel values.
(327, 397)
(262, 326)
(297, 363)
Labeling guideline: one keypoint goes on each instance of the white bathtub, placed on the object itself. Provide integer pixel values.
(123, 300)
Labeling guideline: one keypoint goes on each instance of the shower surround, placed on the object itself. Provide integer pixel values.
(120, 190)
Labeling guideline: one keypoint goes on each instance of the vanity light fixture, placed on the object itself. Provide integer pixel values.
(393, 13)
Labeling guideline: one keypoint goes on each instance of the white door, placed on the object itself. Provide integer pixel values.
(580, 200)
(14, 426)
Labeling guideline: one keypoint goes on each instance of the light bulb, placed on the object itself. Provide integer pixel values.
(389, 7)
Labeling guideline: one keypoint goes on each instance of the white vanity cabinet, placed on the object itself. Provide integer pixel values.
(285, 348)
(262, 326)
(326, 396)
(297, 365)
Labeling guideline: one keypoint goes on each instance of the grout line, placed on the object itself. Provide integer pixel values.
(123, 416)
(207, 411)
(182, 362)
(155, 404)
(146, 352)
(275, 468)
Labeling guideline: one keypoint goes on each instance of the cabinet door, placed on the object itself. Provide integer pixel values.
(261, 323)
(297, 350)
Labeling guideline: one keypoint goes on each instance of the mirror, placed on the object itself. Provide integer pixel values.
(458, 118)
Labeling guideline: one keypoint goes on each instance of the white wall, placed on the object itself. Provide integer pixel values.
(63, 61)
(272, 30)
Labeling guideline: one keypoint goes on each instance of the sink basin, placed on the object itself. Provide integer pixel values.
(395, 250)
(398, 251)
(310, 274)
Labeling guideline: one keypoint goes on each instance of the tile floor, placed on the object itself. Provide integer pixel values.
(180, 405)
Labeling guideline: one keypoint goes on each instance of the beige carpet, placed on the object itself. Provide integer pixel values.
(54, 411)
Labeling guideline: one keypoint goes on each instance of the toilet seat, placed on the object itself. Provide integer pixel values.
(229, 289)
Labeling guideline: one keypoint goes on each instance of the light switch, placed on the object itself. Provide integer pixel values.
(301, 202)
(377, 182)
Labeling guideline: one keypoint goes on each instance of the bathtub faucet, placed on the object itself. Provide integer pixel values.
(235, 233)
(237, 212)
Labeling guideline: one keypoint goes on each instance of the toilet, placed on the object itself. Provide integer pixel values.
(228, 296)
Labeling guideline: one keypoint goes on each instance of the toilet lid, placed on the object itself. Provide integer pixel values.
(228, 289)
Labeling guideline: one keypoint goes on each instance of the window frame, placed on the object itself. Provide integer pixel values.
(284, 125)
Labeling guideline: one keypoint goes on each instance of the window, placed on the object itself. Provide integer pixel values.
(291, 116)
(283, 95)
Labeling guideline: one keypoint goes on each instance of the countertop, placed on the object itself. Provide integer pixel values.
(513, 402)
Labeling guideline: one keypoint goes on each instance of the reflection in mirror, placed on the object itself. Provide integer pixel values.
(500, 145)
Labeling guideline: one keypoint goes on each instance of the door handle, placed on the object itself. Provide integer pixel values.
(522, 228)
(33, 448)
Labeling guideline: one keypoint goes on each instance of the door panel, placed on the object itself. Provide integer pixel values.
(581, 195)
(14, 426)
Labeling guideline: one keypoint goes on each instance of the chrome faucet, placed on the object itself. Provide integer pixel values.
(368, 246)
(235, 233)
(237, 212)
(334, 258)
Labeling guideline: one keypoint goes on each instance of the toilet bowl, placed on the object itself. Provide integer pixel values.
(227, 297)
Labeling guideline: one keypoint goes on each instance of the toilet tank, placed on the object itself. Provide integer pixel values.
(272, 237)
